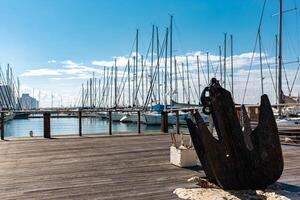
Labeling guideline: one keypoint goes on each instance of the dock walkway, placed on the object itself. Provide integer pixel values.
(101, 167)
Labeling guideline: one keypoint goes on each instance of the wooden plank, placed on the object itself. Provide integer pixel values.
(104, 167)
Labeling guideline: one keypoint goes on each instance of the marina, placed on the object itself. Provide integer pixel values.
(202, 103)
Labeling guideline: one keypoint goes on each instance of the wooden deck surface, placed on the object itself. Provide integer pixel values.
(131, 167)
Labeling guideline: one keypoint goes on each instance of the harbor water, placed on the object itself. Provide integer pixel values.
(69, 126)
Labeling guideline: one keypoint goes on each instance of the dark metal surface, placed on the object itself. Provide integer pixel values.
(239, 158)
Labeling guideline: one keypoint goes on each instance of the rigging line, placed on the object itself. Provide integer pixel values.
(290, 45)
(195, 90)
(254, 49)
(161, 54)
(184, 90)
(153, 80)
(121, 87)
(286, 78)
(178, 33)
(144, 65)
(297, 25)
(296, 75)
(268, 65)
(200, 62)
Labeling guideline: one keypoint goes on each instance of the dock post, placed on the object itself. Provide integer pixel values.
(110, 123)
(80, 122)
(2, 125)
(47, 132)
(177, 122)
(164, 121)
(139, 121)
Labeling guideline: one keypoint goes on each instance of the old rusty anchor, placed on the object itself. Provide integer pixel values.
(240, 158)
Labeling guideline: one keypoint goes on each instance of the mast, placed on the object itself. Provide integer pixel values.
(136, 65)
(176, 79)
(128, 73)
(207, 63)
(152, 51)
(188, 79)
(171, 57)
(104, 88)
(231, 49)
(82, 96)
(261, 66)
(133, 82)
(198, 73)
(225, 41)
(280, 100)
(142, 76)
(158, 67)
(116, 80)
(183, 80)
(276, 68)
(166, 68)
(91, 93)
(220, 65)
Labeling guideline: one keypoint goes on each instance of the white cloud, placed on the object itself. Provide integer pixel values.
(42, 72)
(51, 61)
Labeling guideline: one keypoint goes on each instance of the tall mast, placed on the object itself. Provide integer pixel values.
(82, 96)
(87, 92)
(183, 80)
(171, 57)
(176, 79)
(91, 93)
(220, 65)
(188, 79)
(225, 41)
(158, 67)
(198, 73)
(261, 66)
(152, 61)
(207, 64)
(280, 100)
(104, 85)
(93, 89)
(133, 81)
(276, 67)
(128, 73)
(142, 65)
(116, 80)
(136, 64)
(231, 49)
(166, 69)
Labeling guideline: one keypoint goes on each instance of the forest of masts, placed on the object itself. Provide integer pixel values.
(157, 78)
(161, 78)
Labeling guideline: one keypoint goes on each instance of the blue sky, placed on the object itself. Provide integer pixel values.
(35, 32)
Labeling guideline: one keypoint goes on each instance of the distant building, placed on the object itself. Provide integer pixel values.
(28, 102)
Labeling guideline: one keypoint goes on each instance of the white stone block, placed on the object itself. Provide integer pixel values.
(183, 157)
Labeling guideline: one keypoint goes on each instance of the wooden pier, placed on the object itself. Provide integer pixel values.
(134, 166)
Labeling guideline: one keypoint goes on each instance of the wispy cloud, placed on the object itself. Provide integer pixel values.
(51, 61)
(42, 72)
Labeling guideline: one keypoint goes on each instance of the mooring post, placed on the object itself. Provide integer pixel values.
(80, 122)
(110, 123)
(164, 121)
(2, 125)
(177, 122)
(139, 121)
(47, 132)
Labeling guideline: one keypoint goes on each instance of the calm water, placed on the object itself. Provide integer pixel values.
(68, 126)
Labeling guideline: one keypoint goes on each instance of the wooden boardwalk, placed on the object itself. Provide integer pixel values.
(132, 167)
